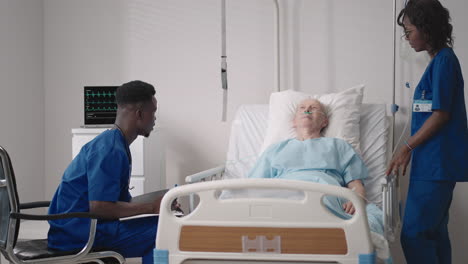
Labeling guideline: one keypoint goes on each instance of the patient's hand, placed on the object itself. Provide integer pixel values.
(349, 208)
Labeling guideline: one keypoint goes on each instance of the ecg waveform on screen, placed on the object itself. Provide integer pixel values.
(91, 94)
(102, 109)
(99, 103)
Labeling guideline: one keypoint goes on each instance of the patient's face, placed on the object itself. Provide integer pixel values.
(148, 117)
(416, 38)
(310, 113)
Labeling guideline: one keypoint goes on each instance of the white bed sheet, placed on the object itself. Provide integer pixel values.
(248, 132)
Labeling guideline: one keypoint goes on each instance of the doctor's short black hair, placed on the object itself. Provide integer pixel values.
(432, 19)
(134, 92)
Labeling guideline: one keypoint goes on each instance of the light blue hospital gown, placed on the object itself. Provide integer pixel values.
(321, 160)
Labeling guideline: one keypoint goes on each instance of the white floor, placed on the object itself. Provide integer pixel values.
(38, 230)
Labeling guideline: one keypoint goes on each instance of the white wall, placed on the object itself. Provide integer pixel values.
(343, 43)
(82, 46)
(21, 93)
(173, 44)
(176, 46)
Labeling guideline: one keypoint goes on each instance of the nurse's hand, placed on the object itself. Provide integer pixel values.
(348, 207)
(400, 161)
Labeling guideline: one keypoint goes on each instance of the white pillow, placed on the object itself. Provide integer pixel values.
(343, 114)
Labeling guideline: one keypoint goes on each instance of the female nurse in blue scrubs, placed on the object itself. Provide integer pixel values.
(439, 137)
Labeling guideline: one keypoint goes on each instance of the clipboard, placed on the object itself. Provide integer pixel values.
(148, 198)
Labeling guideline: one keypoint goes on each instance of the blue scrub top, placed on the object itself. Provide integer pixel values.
(323, 160)
(445, 155)
(100, 172)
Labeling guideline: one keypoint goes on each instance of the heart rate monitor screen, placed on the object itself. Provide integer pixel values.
(100, 107)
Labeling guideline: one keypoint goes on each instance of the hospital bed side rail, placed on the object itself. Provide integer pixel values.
(390, 198)
(391, 207)
(207, 175)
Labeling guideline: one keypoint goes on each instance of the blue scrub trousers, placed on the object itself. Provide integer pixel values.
(134, 238)
(424, 237)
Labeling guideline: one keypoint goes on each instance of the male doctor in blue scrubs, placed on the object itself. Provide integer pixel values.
(97, 181)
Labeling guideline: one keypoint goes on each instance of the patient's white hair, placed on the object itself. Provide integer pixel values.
(323, 106)
(326, 111)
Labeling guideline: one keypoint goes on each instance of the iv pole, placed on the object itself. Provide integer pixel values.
(224, 82)
(394, 106)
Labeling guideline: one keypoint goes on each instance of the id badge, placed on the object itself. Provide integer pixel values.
(422, 106)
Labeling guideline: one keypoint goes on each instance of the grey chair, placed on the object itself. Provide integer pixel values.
(36, 251)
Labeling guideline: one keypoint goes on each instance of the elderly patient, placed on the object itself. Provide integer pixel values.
(314, 158)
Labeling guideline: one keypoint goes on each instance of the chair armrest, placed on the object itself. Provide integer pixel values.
(53, 216)
(82, 256)
(34, 205)
(205, 175)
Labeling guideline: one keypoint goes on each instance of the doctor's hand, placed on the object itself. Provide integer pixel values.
(400, 161)
(348, 207)
(156, 205)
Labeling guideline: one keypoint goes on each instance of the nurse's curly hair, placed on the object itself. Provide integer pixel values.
(431, 19)
(134, 92)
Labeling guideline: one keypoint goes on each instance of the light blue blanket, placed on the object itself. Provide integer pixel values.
(335, 204)
(374, 213)
(329, 161)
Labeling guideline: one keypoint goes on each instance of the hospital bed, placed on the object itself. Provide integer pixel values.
(253, 229)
